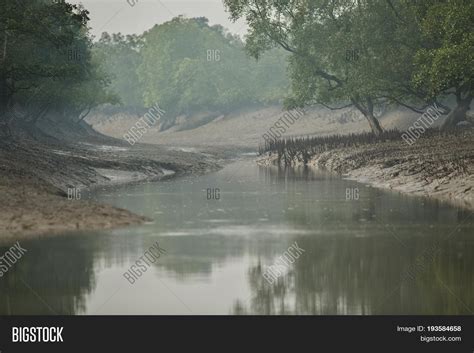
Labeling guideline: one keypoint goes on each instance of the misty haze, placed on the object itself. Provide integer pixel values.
(236, 157)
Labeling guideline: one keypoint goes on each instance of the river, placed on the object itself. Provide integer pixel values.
(363, 251)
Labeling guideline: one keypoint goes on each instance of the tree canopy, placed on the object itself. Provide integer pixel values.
(364, 53)
(185, 65)
(445, 64)
(46, 62)
(335, 53)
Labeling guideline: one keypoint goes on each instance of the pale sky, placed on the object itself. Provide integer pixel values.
(118, 16)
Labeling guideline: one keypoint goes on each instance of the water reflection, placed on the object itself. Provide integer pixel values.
(356, 260)
(364, 276)
(47, 280)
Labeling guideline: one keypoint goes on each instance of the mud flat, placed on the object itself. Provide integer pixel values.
(439, 167)
(36, 177)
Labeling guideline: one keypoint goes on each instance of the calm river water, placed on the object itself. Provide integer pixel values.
(383, 253)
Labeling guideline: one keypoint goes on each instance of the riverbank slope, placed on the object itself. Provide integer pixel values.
(440, 167)
(42, 180)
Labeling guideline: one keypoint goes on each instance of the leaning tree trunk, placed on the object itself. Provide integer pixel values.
(458, 114)
(373, 123)
(368, 112)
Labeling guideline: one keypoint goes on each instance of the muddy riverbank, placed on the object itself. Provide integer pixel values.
(438, 167)
(41, 182)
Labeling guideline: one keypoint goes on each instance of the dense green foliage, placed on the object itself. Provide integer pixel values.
(365, 53)
(119, 56)
(46, 63)
(338, 53)
(185, 66)
(446, 62)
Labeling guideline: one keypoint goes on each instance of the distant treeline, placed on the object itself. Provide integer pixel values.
(50, 68)
(365, 54)
(187, 66)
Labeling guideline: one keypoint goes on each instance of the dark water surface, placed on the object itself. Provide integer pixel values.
(382, 254)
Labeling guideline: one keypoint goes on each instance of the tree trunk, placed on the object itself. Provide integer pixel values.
(81, 118)
(458, 114)
(373, 123)
(368, 112)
